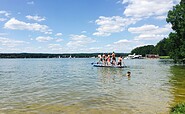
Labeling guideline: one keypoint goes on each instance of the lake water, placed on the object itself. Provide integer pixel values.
(71, 86)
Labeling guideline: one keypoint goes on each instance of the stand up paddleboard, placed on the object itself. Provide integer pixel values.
(109, 66)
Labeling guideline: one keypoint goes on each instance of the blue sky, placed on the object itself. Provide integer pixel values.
(80, 26)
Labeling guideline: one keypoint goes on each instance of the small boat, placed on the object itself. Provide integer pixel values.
(134, 56)
(109, 66)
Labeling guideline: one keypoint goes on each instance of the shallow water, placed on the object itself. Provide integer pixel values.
(74, 86)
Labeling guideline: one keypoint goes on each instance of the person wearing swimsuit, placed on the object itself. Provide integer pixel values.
(120, 61)
(108, 60)
(113, 59)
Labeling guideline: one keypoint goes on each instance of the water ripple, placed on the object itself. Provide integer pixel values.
(73, 85)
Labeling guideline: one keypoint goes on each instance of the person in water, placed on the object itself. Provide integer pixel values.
(120, 61)
(128, 74)
(113, 59)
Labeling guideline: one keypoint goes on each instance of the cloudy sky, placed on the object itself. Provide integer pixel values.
(77, 26)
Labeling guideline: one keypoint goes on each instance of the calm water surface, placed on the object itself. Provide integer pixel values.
(74, 86)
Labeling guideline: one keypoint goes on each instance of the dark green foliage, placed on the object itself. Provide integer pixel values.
(163, 47)
(143, 50)
(178, 109)
(177, 18)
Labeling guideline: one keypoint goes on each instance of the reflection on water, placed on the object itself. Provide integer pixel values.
(74, 86)
(178, 83)
(111, 75)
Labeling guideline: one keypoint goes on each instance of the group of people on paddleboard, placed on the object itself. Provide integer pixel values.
(110, 59)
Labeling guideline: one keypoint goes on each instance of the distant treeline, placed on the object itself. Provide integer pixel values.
(163, 48)
(143, 50)
(43, 55)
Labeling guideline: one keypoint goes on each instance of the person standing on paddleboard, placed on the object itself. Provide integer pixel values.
(108, 60)
(113, 59)
(120, 61)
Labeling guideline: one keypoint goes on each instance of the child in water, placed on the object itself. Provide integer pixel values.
(128, 74)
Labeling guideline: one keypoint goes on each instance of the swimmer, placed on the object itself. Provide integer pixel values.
(128, 74)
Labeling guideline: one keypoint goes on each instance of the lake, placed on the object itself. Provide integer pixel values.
(63, 85)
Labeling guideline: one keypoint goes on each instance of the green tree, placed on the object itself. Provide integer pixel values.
(177, 18)
(143, 50)
(163, 47)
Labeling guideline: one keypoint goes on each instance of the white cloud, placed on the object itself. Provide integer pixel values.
(10, 42)
(150, 37)
(109, 25)
(48, 32)
(44, 39)
(147, 8)
(55, 47)
(4, 13)
(150, 32)
(143, 29)
(30, 2)
(10, 50)
(15, 24)
(90, 50)
(58, 34)
(91, 21)
(122, 41)
(119, 1)
(122, 46)
(135, 11)
(161, 17)
(59, 40)
(81, 50)
(3, 34)
(176, 1)
(35, 18)
(3, 19)
(153, 29)
(84, 32)
(125, 1)
(79, 41)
